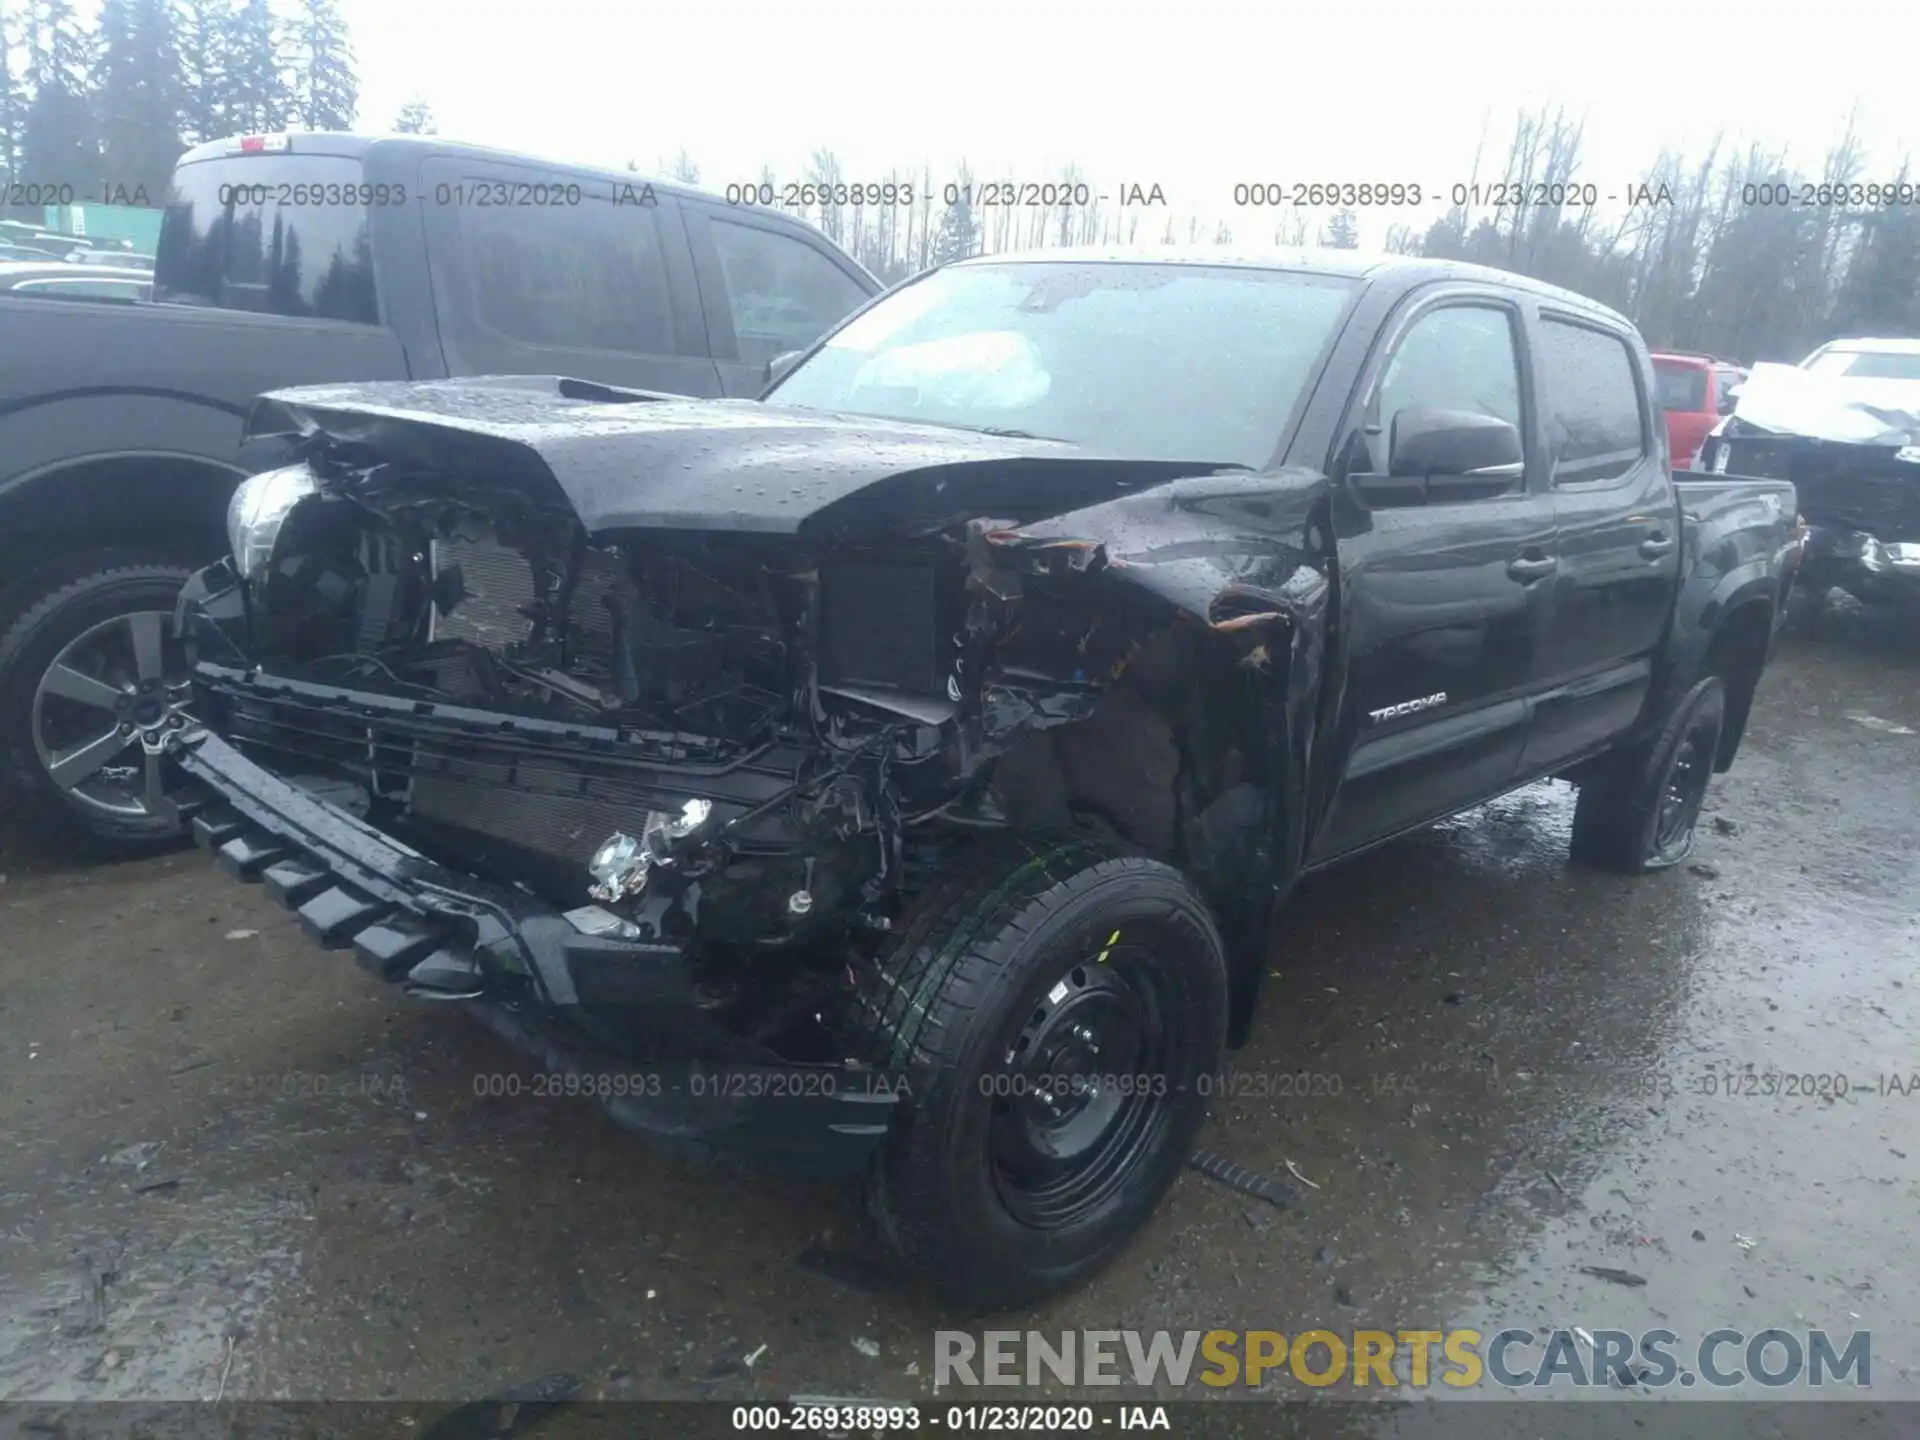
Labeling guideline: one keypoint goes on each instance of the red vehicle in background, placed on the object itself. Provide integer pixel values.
(1694, 391)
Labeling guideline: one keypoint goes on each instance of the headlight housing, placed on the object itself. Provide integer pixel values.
(257, 510)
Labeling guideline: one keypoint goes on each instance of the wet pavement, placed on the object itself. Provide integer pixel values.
(230, 1163)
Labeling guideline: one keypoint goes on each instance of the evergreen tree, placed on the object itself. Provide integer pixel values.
(136, 96)
(326, 91)
(257, 98)
(959, 233)
(1342, 232)
(12, 100)
(205, 32)
(58, 143)
(415, 119)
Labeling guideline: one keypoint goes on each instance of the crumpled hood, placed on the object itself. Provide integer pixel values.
(634, 460)
(1790, 401)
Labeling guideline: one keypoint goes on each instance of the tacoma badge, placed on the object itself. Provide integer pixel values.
(1407, 707)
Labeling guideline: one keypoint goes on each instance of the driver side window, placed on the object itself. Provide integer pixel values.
(1459, 357)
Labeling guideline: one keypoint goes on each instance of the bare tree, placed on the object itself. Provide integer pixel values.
(823, 172)
(681, 168)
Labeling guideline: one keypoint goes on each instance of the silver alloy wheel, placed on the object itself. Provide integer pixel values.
(119, 686)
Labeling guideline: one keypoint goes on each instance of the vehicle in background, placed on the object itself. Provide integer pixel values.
(1693, 392)
(57, 280)
(44, 246)
(287, 260)
(1867, 359)
(1844, 427)
(1880, 374)
(121, 259)
(903, 769)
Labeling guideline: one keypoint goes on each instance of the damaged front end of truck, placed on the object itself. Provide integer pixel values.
(635, 724)
(1854, 460)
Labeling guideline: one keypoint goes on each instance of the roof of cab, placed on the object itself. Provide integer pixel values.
(1407, 270)
(354, 146)
(1880, 346)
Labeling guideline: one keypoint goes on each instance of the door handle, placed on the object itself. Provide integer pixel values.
(1655, 545)
(1527, 569)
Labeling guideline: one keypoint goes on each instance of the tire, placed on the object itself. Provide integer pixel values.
(1637, 811)
(1030, 963)
(91, 616)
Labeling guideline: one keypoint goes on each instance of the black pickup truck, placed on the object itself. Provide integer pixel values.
(894, 777)
(288, 260)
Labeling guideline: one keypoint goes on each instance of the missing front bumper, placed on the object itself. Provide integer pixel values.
(526, 970)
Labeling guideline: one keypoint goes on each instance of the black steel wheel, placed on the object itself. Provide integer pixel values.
(1639, 811)
(1052, 1011)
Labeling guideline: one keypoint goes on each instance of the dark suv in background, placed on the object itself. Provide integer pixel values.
(314, 258)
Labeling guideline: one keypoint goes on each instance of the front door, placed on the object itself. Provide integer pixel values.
(1445, 599)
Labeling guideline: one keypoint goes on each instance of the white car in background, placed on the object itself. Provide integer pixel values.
(1860, 391)
(1844, 426)
(1883, 374)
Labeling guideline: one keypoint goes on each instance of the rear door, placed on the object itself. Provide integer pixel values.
(1613, 503)
(550, 272)
(1444, 599)
(768, 287)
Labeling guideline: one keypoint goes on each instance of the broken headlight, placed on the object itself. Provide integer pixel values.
(258, 509)
(621, 865)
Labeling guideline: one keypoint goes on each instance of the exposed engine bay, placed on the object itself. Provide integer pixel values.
(742, 743)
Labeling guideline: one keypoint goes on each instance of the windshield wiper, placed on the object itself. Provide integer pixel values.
(1008, 434)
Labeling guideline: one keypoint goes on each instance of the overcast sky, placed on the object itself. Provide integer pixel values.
(1189, 95)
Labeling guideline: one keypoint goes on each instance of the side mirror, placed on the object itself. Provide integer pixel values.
(1446, 455)
(1729, 397)
(780, 364)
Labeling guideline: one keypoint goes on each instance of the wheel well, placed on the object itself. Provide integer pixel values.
(1182, 760)
(1176, 734)
(175, 505)
(1737, 655)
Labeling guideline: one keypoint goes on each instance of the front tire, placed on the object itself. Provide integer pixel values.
(85, 668)
(1637, 812)
(1053, 1012)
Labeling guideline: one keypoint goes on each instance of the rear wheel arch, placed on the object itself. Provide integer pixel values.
(1737, 653)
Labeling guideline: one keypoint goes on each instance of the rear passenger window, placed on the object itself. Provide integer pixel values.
(1592, 403)
(590, 276)
(781, 292)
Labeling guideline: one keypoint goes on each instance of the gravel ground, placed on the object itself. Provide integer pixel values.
(231, 1161)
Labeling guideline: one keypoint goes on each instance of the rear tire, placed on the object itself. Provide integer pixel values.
(1638, 809)
(1052, 1010)
(90, 652)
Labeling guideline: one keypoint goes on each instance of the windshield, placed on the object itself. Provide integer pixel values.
(1678, 386)
(1867, 365)
(1150, 361)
